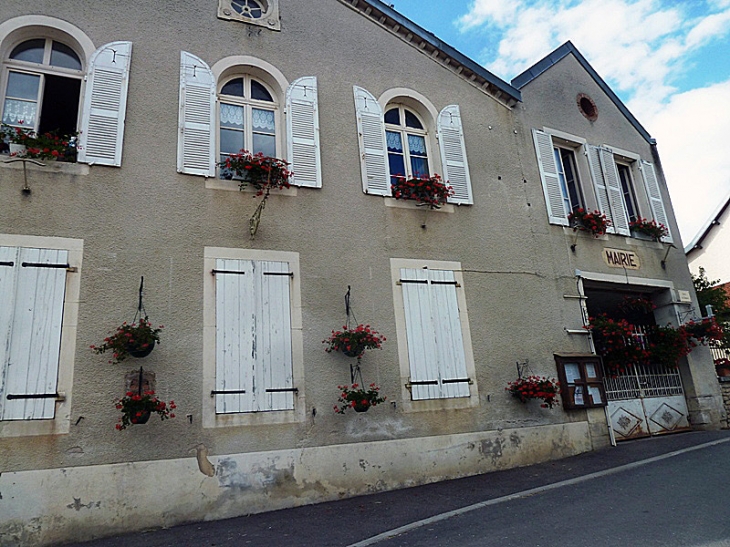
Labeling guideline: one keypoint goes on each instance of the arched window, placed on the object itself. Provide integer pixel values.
(247, 117)
(43, 85)
(406, 140)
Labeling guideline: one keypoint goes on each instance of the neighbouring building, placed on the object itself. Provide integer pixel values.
(708, 249)
(492, 284)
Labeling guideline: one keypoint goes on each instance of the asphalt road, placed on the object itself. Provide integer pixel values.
(670, 491)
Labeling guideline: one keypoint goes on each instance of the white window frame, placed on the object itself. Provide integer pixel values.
(210, 418)
(61, 422)
(404, 131)
(410, 405)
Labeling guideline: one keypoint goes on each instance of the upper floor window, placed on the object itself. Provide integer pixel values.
(43, 86)
(627, 188)
(247, 116)
(406, 141)
(568, 175)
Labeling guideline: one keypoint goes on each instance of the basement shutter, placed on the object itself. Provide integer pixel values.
(253, 337)
(373, 150)
(433, 331)
(453, 154)
(599, 184)
(655, 196)
(302, 123)
(105, 105)
(195, 141)
(32, 290)
(549, 176)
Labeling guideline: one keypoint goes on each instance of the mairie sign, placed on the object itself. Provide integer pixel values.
(616, 258)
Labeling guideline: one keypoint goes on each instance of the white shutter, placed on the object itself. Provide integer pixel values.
(253, 336)
(615, 193)
(105, 105)
(655, 197)
(196, 138)
(31, 359)
(8, 274)
(302, 125)
(433, 332)
(453, 154)
(554, 198)
(604, 203)
(373, 149)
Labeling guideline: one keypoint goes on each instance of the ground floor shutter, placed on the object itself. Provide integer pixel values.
(32, 292)
(253, 336)
(433, 330)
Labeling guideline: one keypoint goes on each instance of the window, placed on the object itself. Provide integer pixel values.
(264, 13)
(433, 330)
(39, 287)
(43, 86)
(406, 141)
(568, 176)
(247, 119)
(255, 345)
(627, 188)
(249, 116)
(395, 141)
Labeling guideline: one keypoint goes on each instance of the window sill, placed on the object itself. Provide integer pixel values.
(430, 405)
(232, 185)
(409, 204)
(49, 167)
(273, 417)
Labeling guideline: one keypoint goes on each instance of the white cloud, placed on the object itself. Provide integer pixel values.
(691, 132)
(481, 12)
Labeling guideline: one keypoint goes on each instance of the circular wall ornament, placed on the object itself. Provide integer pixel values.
(587, 107)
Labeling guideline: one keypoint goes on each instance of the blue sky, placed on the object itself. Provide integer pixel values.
(668, 60)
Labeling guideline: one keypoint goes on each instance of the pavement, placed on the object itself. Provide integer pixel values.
(356, 520)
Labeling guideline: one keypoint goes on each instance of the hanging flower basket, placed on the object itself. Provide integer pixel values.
(137, 407)
(535, 387)
(358, 398)
(425, 190)
(135, 339)
(595, 223)
(354, 342)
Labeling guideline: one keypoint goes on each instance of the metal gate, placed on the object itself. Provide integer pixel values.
(646, 400)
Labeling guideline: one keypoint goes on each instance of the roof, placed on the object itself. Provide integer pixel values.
(559, 54)
(384, 15)
(713, 221)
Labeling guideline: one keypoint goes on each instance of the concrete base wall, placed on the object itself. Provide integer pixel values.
(725, 421)
(73, 504)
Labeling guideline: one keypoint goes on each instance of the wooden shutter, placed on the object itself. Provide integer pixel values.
(604, 203)
(655, 196)
(253, 337)
(34, 289)
(453, 154)
(105, 105)
(615, 193)
(373, 149)
(433, 331)
(196, 142)
(302, 124)
(550, 180)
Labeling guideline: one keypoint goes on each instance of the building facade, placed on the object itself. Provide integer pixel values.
(489, 284)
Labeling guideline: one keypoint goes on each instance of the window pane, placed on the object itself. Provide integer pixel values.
(234, 87)
(395, 144)
(231, 116)
(392, 116)
(60, 106)
(397, 166)
(231, 141)
(20, 112)
(31, 51)
(23, 86)
(419, 166)
(266, 144)
(64, 56)
(412, 121)
(417, 145)
(259, 92)
(263, 121)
